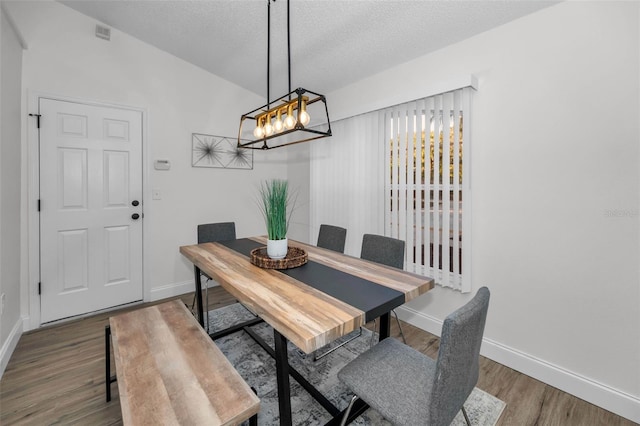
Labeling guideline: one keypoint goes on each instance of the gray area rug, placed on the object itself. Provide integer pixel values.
(259, 371)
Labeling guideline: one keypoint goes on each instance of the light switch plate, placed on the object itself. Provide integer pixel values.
(162, 165)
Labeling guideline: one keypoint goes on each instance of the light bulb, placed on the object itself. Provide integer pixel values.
(268, 128)
(278, 126)
(304, 118)
(258, 132)
(289, 121)
(303, 115)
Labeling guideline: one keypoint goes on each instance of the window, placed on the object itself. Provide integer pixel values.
(425, 184)
(396, 172)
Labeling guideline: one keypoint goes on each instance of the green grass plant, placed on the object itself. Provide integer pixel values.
(276, 206)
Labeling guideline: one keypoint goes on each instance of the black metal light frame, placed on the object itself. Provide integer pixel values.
(281, 139)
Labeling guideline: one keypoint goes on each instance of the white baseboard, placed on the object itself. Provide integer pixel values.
(176, 289)
(170, 290)
(596, 393)
(10, 345)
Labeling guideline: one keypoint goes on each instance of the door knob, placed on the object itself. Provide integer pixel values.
(135, 203)
(135, 216)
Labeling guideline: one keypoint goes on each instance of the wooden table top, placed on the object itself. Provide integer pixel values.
(306, 316)
(170, 372)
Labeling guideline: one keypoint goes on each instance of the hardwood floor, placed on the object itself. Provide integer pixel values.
(56, 376)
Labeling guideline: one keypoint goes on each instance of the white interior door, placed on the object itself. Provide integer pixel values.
(90, 192)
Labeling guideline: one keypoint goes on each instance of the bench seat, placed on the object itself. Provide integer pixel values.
(170, 372)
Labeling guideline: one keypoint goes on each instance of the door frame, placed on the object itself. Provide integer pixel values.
(30, 297)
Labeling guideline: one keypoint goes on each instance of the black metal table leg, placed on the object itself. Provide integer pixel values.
(199, 295)
(282, 377)
(302, 381)
(107, 357)
(385, 326)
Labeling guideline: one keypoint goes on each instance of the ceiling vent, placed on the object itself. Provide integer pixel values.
(103, 32)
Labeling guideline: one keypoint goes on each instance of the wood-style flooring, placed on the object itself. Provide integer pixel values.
(56, 376)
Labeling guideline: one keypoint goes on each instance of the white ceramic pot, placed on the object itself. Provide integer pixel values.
(277, 249)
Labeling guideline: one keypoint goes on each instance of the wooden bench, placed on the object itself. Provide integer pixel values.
(170, 372)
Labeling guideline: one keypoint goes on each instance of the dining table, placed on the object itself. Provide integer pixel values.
(311, 305)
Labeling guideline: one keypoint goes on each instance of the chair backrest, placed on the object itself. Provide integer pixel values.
(212, 232)
(385, 250)
(457, 367)
(332, 237)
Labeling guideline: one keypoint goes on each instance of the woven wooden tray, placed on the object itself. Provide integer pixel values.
(295, 257)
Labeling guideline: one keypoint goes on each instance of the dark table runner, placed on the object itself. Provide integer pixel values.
(372, 298)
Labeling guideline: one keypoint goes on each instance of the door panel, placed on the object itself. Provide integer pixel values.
(73, 179)
(90, 172)
(72, 260)
(72, 125)
(117, 255)
(116, 179)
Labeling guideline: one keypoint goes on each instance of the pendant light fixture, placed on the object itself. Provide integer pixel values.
(299, 116)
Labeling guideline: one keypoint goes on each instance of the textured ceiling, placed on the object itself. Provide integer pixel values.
(333, 43)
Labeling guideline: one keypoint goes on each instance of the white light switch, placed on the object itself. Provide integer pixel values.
(156, 194)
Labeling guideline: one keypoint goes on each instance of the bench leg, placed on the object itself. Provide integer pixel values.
(253, 421)
(107, 357)
(198, 289)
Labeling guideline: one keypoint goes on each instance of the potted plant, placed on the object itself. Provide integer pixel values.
(276, 206)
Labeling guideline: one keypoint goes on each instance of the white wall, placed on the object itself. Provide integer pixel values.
(65, 58)
(554, 151)
(10, 160)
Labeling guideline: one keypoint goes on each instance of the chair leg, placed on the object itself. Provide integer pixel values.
(315, 354)
(205, 312)
(399, 326)
(464, 412)
(343, 422)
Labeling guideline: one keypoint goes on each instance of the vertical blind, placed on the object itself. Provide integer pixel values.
(401, 172)
(347, 179)
(426, 185)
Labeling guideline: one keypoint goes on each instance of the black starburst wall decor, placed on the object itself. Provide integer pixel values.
(219, 152)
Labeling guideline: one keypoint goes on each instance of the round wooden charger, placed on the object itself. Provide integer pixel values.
(295, 257)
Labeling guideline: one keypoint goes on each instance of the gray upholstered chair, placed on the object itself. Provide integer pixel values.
(210, 233)
(386, 251)
(332, 238)
(408, 387)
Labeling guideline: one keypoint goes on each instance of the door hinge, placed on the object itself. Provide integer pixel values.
(37, 116)
(39, 288)
(38, 204)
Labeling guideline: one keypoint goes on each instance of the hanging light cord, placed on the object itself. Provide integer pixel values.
(268, 51)
(289, 47)
(264, 144)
